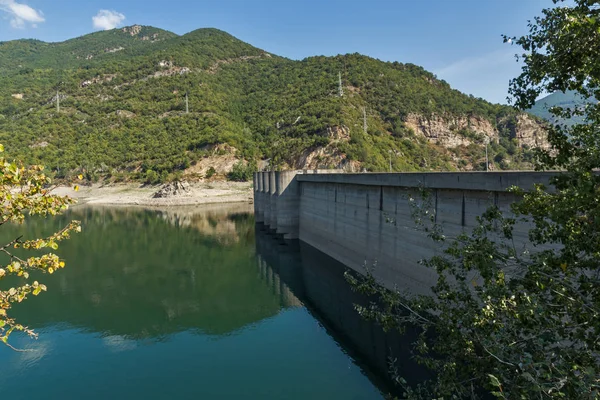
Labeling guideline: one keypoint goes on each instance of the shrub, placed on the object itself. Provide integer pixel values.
(152, 177)
(241, 172)
(210, 173)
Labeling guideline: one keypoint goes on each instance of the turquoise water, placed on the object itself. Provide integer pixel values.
(178, 304)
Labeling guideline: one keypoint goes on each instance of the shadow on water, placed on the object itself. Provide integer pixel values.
(317, 281)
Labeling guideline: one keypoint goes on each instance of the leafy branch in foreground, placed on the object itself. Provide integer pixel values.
(24, 192)
(502, 318)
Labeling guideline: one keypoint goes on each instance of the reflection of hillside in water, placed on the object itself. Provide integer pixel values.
(146, 273)
(215, 220)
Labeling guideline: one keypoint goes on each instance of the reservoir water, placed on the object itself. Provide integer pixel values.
(191, 303)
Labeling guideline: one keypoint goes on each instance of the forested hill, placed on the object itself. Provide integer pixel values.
(123, 114)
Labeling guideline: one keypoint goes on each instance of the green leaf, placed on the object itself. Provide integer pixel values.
(494, 381)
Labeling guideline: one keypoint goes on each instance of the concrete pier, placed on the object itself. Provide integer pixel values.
(266, 198)
(259, 212)
(288, 204)
(272, 221)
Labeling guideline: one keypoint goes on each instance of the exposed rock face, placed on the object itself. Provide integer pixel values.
(171, 71)
(18, 96)
(530, 133)
(221, 158)
(172, 189)
(213, 69)
(452, 131)
(338, 133)
(98, 79)
(134, 30)
(124, 114)
(39, 145)
(324, 158)
(462, 131)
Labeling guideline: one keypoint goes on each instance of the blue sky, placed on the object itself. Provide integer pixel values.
(458, 40)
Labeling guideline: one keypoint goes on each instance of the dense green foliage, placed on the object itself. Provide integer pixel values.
(241, 172)
(122, 113)
(522, 320)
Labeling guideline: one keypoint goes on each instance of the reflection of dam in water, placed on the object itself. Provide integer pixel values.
(303, 275)
(278, 286)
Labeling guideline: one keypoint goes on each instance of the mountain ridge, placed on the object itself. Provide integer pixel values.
(123, 112)
(571, 100)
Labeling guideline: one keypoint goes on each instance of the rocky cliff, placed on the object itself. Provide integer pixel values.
(453, 131)
(530, 132)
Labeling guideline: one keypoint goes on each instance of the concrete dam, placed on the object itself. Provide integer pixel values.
(364, 220)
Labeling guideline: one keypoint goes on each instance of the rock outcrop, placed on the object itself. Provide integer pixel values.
(172, 189)
(452, 131)
(220, 159)
(530, 133)
(338, 133)
(462, 131)
(132, 30)
(325, 158)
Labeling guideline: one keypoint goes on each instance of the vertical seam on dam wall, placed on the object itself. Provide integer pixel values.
(436, 207)
(380, 198)
(464, 211)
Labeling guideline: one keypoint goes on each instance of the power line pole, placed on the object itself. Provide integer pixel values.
(389, 151)
(57, 101)
(340, 88)
(365, 119)
(187, 105)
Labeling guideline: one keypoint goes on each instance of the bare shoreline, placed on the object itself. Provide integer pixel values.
(131, 194)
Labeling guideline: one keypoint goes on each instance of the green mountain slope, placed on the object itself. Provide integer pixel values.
(86, 50)
(122, 113)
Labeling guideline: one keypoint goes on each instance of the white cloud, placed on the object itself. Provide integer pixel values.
(485, 75)
(21, 14)
(107, 19)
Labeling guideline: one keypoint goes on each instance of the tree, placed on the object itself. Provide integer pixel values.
(24, 192)
(512, 323)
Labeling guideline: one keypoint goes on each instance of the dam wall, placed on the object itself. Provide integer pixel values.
(365, 220)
